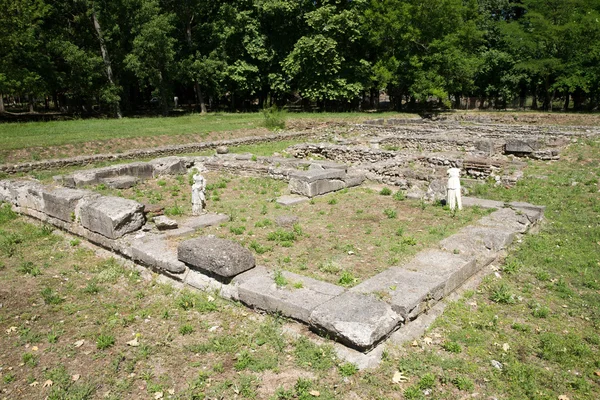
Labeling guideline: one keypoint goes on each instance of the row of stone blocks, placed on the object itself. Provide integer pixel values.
(359, 317)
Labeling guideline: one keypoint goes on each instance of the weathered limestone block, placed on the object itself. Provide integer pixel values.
(521, 145)
(407, 292)
(202, 221)
(315, 182)
(163, 223)
(168, 166)
(156, 253)
(354, 179)
(62, 202)
(120, 182)
(479, 241)
(24, 194)
(507, 218)
(221, 258)
(291, 200)
(355, 319)
(454, 269)
(112, 217)
(298, 303)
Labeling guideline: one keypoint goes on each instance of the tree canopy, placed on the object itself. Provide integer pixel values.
(122, 55)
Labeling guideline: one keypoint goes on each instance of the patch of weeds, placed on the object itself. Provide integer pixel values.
(298, 285)
(53, 336)
(50, 296)
(74, 242)
(6, 213)
(502, 294)
(282, 237)
(563, 349)
(186, 329)
(188, 300)
(540, 311)
(259, 248)
(452, 347)
(274, 118)
(520, 327)
(110, 271)
(329, 267)
(409, 241)
(256, 362)
(45, 230)
(427, 381)
(279, 279)
(161, 183)
(347, 278)
(30, 359)
(237, 230)
(8, 378)
(92, 288)
(104, 341)
(463, 383)
(348, 369)
(174, 210)
(511, 266)
(390, 213)
(29, 268)
(385, 191)
(263, 223)
(333, 201)
(399, 231)
(311, 355)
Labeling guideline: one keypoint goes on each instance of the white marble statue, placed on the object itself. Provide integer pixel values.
(453, 189)
(198, 196)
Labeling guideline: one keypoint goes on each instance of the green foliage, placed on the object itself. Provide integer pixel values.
(186, 329)
(313, 356)
(50, 296)
(104, 341)
(348, 369)
(279, 279)
(29, 268)
(274, 118)
(390, 213)
(385, 191)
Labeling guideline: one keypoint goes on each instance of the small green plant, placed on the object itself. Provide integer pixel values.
(298, 285)
(174, 210)
(30, 359)
(8, 378)
(50, 296)
(400, 231)
(237, 230)
(263, 223)
(399, 195)
(279, 279)
(463, 383)
(427, 381)
(274, 118)
(161, 183)
(502, 294)
(74, 242)
(391, 214)
(53, 336)
(348, 369)
(332, 201)
(385, 191)
(254, 158)
(104, 341)
(186, 329)
(29, 268)
(92, 288)
(452, 347)
(409, 241)
(259, 248)
(540, 311)
(347, 278)
(281, 236)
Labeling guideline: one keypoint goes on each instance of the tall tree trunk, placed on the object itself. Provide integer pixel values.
(567, 98)
(31, 109)
(164, 104)
(197, 90)
(2, 103)
(109, 73)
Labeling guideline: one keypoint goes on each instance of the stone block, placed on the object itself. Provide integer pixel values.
(168, 166)
(454, 269)
(407, 292)
(158, 255)
(112, 217)
(521, 145)
(142, 170)
(485, 146)
(61, 203)
(120, 182)
(298, 303)
(216, 257)
(358, 320)
(205, 220)
(25, 194)
(291, 200)
(164, 223)
(506, 218)
(315, 188)
(533, 212)
(313, 175)
(482, 242)
(354, 179)
(483, 203)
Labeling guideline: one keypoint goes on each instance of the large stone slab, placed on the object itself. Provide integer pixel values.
(533, 212)
(313, 175)
(316, 188)
(483, 203)
(407, 292)
(291, 200)
(262, 292)
(482, 242)
(168, 166)
(454, 269)
(110, 216)
(120, 182)
(506, 218)
(62, 202)
(202, 221)
(158, 255)
(23, 193)
(221, 258)
(355, 319)
(521, 145)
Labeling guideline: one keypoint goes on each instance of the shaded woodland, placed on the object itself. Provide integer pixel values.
(117, 57)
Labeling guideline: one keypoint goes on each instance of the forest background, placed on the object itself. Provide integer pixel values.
(119, 56)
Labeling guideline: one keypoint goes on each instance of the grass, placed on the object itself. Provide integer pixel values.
(539, 317)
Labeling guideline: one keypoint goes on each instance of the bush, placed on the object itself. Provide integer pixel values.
(274, 118)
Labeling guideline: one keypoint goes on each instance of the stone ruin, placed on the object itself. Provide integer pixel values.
(360, 317)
